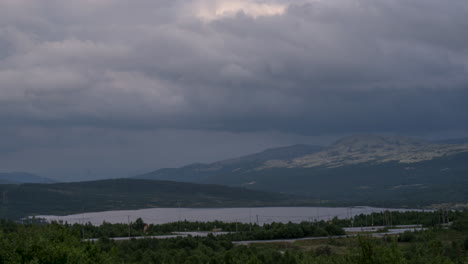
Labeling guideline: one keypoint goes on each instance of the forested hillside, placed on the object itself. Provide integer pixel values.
(67, 198)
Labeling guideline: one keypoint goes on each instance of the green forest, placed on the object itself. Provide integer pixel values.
(22, 200)
(40, 242)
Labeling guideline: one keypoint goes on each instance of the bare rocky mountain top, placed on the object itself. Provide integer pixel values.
(371, 148)
(280, 153)
(362, 169)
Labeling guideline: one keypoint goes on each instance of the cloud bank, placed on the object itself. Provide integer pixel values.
(310, 68)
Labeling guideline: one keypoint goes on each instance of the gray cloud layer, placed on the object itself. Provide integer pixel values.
(313, 68)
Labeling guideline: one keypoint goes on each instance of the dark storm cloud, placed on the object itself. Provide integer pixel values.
(295, 67)
(321, 66)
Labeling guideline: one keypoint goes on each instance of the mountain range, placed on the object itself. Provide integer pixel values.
(370, 170)
(22, 177)
(357, 169)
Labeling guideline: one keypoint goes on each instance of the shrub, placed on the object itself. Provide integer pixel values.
(323, 251)
(407, 236)
(460, 225)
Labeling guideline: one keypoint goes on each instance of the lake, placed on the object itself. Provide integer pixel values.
(259, 215)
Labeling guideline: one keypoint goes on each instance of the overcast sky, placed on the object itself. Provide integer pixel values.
(111, 88)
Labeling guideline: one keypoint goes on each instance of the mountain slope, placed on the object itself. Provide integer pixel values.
(67, 198)
(358, 169)
(22, 177)
(200, 172)
(453, 141)
(373, 149)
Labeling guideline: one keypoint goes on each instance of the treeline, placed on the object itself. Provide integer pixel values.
(236, 231)
(245, 231)
(430, 218)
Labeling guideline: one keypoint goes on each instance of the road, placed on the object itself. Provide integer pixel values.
(175, 235)
(394, 231)
(382, 234)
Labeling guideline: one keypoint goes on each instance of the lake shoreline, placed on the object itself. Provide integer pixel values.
(258, 215)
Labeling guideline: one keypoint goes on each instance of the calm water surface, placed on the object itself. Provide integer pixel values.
(245, 215)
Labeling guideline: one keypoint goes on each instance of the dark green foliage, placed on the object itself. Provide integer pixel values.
(427, 218)
(366, 254)
(237, 231)
(323, 251)
(285, 231)
(407, 237)
(61, 243)
(52, 243)
(460, 225)
(68, 198)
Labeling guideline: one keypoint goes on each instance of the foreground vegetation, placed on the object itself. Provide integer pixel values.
(62, 243)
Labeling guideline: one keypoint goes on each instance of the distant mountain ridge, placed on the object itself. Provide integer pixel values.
(373, 148)
(22, 177)
(453, 141)
(347, 151)
(356, 168)
(288, 152)
(190, 172)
